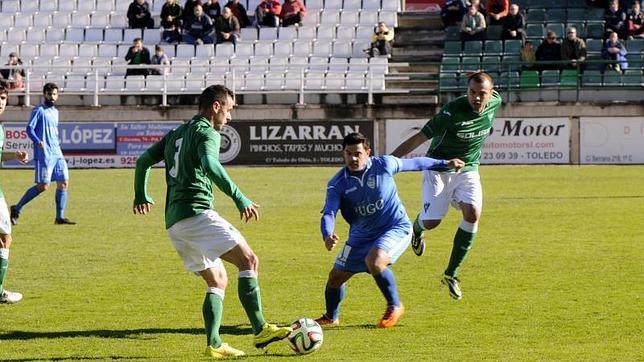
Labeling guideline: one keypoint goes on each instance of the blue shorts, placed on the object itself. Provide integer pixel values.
(352, 256)
(52, 169)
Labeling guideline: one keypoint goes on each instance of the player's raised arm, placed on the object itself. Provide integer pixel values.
(410, 144)
(428, 163)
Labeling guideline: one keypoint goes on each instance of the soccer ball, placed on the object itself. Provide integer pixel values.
(306, 336)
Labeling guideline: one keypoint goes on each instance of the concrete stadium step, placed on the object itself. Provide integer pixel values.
(420, 19)
(427, 98)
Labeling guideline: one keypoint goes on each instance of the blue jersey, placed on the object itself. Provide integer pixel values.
(369, 201)
(43, 127)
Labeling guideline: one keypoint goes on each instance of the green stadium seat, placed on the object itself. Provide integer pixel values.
(556, 15)
(491, 63)
(534, 31)
(494, 32)
(635, 60)
(536, 15)
(453, 33)
(568, 78)
(575, 4)
(529, 79)
(594, 46)
(513, 79)
(576, 14)
(448, 82)
(633, 77)
(512, 47)
(595, 15)
(470, 64)
(452, 48)
(635, 46)
(511, 63)
(550, 78)
(595, 30)
(612, 79)
(451, 65)
(493, 47)
(592, 78)
(472, 48)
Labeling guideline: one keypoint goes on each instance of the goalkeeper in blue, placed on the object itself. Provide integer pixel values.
(365, 193)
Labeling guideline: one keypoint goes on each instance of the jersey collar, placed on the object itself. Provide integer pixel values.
(347, 173)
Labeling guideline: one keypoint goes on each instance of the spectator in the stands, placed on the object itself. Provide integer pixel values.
(382, 41)
(480, 7)
(227, 27)
(293, 12)
(635, 21)
(199, 29)
(497, 10)
(137, 54)
(527, 55)
(573, 49)
(549, 51)
(616, 51)
(239, 11)
(189, 9)
(161, 59)
(267, 13)
(14, 76)
(212, 9)
(452, 12)
(139, 16)
(473, 25)
(171, 21)
(513, 24)
(615, 20)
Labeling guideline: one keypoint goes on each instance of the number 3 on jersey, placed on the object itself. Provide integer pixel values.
(175, 168)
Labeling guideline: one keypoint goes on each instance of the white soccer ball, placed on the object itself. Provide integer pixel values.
(306, 337)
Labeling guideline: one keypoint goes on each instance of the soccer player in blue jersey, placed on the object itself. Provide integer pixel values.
(50, 165)
(5, 225)
(365, 193)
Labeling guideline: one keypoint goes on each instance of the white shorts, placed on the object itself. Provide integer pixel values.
(200, 240)
(5, 221)
(440, 189)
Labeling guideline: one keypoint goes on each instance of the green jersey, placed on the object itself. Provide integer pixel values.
(191, 155)
(459, 132)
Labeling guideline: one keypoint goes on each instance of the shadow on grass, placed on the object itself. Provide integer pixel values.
(125, 333)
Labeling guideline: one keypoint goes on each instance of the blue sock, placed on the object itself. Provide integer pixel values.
(387, 283)
(333, 297)
(29, 195)
(61, 202)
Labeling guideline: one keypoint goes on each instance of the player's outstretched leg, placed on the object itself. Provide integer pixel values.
(250, 298)
(417, 239)
(463, 241)
(386, 282)
(29, 195)
(332, 297)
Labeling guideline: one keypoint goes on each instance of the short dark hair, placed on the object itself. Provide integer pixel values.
(4, 88)
(355, 138)
(215, 93)
(49, 87)
(480, 77)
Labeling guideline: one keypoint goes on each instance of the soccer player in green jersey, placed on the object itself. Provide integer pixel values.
(201, 237)
(5, 221)
(458, 131)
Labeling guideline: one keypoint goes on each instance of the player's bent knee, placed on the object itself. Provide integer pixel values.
(42, 187)
(337, 278)
(5, 241)
(63, 185)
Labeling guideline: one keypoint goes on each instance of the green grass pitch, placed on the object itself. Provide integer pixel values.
(556, 272)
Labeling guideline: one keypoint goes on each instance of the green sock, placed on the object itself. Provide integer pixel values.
(463, 241)
(4, 264)
(418, 225)
(251, 300)
(213, 309)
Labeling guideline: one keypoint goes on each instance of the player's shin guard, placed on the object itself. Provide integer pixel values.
(61, 202)
(250, 298)
(387, 283)
(213, 310)
(463, 241)
(29, 195)
(333, 298)
(4, 264)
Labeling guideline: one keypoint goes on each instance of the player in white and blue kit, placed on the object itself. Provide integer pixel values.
(49, 163)
(365, 193)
